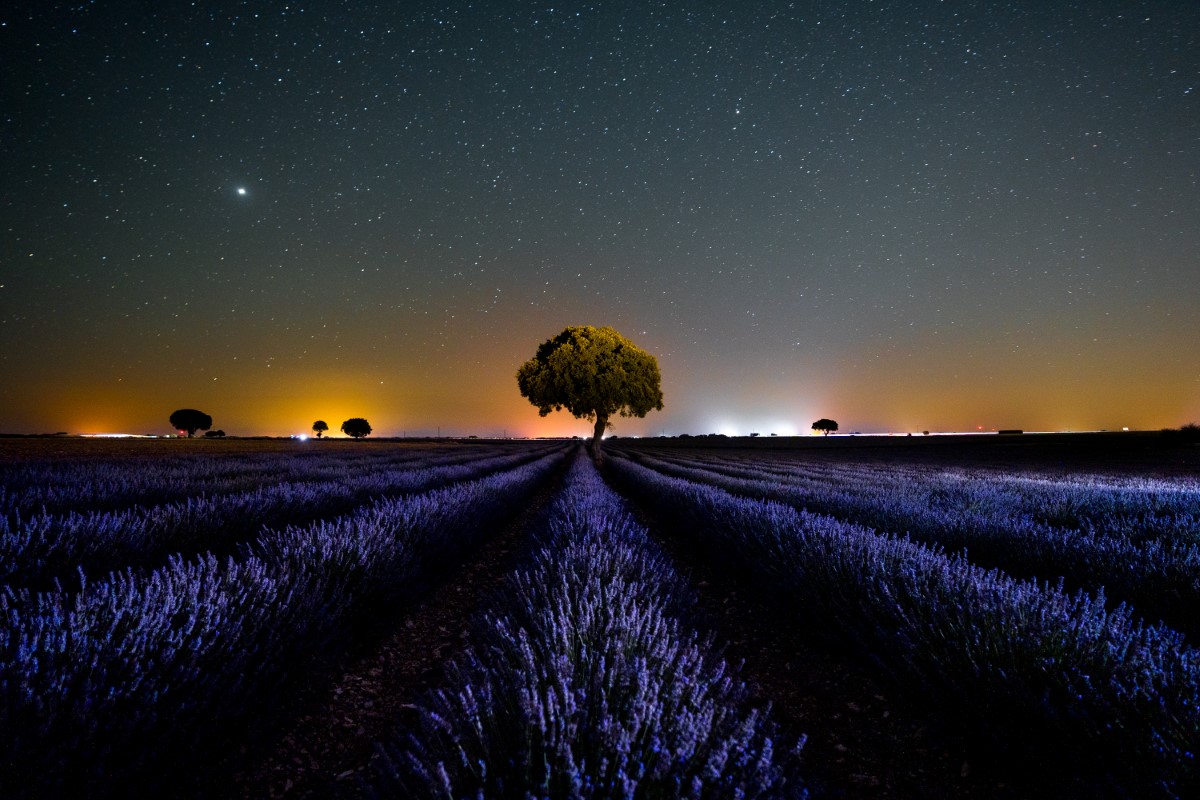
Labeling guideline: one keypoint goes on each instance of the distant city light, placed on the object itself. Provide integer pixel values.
(117, 436)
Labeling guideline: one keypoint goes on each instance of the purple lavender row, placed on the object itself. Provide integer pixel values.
(1160, 578)
(1134, 508)
(149, 685)
(81, 485)
(38, 551)
(1049, 675)
(585, 683)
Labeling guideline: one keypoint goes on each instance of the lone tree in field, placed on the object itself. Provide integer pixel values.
(190, 420)
(594, 373)
(356, 427)
(826, 426)
(319, 427)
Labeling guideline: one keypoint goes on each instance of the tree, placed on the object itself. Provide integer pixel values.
(356, 427)
(319, 427)
(190, 420)
(1185, 433)
(827, 426)
(594, 373)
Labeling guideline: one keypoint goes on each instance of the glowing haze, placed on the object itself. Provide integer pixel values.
(902, 216)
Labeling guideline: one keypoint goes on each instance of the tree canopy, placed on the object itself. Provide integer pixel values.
(319, 427)
(594, 373)
(190, 420)
(826, 426)
(356, 427)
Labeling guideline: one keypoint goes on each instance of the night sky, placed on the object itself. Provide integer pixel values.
(902, 216)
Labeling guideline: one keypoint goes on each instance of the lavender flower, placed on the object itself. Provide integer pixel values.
(586, 683)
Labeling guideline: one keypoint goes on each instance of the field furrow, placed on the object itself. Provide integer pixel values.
(584, 682)
(1158, 575)
(141, 682)
(1103, 701)
(490, 623)
(47, 548)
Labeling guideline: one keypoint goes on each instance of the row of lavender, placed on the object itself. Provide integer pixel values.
(66, 484)
(37, 550)
(1158, 570)
(1133, 507)
(1110, 704)
(584, 682)
(145, 682)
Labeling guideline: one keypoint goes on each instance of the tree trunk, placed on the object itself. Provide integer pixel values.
(597, 435)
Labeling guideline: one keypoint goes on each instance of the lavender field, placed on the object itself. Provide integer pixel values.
(189, 618)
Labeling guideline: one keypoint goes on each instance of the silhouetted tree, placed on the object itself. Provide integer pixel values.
(320, 426)
(217, 434)
(594, 373)
(190, 420)
(826, 426)
(356, 427)
(1185, 433)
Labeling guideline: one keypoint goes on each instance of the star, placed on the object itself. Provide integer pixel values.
(241, 190)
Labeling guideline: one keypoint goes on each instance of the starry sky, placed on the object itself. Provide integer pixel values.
(898, 215)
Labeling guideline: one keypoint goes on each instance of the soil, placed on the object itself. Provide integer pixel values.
(860, 744)
(327, 752)
(860, 740)
(863, 741)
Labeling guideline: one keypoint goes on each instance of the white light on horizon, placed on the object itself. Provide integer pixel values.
(117, 436)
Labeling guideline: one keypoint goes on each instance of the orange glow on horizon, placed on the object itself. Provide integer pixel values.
(938, 395)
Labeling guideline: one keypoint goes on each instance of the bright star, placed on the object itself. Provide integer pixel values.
(241, 190)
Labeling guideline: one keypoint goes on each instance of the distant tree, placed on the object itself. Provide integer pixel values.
(319, 427)
(1185, 433)
(356, 427)
(826, 426)
(217, 434)
(190, 420)
(593, 373)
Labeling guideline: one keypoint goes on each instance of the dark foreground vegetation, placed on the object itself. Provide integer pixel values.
(171, 610)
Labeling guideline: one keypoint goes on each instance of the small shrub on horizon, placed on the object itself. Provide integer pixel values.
(1186, 433)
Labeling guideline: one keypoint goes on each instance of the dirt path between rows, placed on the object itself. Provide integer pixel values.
(327, 751)
(862, 743)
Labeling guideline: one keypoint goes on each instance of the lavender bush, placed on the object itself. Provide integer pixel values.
(1159, 575)
(79, 485)
(585, 683)
(1050, 675)
(147, 683)
(44, 548)
(1137, 508)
